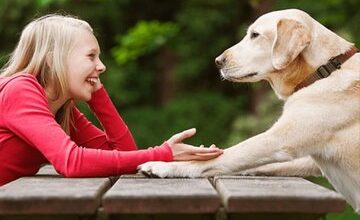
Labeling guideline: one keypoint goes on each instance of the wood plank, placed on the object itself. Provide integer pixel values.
(153, 196)
(276, 194)
(47, 170)
(52, 195)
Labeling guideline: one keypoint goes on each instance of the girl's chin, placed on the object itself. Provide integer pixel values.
(84, 98)
(88, 98)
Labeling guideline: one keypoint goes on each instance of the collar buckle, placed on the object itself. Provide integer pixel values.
(325, 70)
(335, 62)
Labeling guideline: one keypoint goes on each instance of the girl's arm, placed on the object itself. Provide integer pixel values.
(116, 134)
(25, 112)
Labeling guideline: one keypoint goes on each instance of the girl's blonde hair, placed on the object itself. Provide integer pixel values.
(42, 51)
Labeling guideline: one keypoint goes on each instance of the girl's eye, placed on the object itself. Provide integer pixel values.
(254, 35)
(92, 56)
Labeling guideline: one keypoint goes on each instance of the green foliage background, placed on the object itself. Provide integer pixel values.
(160, 61)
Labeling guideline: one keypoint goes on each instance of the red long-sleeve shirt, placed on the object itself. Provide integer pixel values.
(30, 136)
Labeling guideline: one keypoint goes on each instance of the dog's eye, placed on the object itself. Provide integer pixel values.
(254, 35)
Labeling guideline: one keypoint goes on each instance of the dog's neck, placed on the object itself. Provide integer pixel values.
(326, 69)
(324, 45)
(284, 81)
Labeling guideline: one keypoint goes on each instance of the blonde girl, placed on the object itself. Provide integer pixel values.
(56, 63)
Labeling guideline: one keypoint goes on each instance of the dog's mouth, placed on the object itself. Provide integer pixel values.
(238, 79)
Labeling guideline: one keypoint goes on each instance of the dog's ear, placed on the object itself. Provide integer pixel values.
(291, 38)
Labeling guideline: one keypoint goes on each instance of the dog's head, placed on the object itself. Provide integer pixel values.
(271, 44)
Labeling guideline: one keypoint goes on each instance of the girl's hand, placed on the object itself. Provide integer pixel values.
(183, 151)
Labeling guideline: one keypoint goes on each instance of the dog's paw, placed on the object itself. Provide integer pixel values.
(247, 173)
(155, 169)
(252, 172)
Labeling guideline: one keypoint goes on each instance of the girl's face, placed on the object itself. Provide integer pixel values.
(84, 66)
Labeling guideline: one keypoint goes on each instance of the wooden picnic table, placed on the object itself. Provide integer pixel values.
(50, 196)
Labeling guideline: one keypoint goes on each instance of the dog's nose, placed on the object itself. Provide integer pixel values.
(220, 61)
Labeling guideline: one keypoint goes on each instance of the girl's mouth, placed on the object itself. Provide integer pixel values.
(92, 80)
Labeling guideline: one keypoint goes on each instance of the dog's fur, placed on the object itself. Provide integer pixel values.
(320, 124)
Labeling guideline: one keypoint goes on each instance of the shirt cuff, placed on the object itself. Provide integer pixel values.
(166, 152)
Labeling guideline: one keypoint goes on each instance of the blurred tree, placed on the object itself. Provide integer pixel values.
(146, 38)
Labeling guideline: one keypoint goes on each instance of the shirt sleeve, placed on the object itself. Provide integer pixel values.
(116, 136)
(26, 113)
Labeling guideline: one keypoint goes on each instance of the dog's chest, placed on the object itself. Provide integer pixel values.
(343, 181)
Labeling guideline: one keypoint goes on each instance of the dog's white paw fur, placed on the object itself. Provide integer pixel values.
(170, 169)
(156, 169)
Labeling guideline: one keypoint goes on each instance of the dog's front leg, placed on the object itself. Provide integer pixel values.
(256, 151)
(288, 139)
(259, 150)
(301, 167)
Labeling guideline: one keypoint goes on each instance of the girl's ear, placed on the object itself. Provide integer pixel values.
(291, 39)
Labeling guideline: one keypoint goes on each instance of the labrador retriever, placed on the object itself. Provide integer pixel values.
(317, 74)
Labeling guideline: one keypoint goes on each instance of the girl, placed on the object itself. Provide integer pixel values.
(55, 63)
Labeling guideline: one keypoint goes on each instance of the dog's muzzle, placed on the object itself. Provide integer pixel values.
(220, 61)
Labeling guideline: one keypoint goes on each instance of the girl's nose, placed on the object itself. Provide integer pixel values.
(100, 67)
